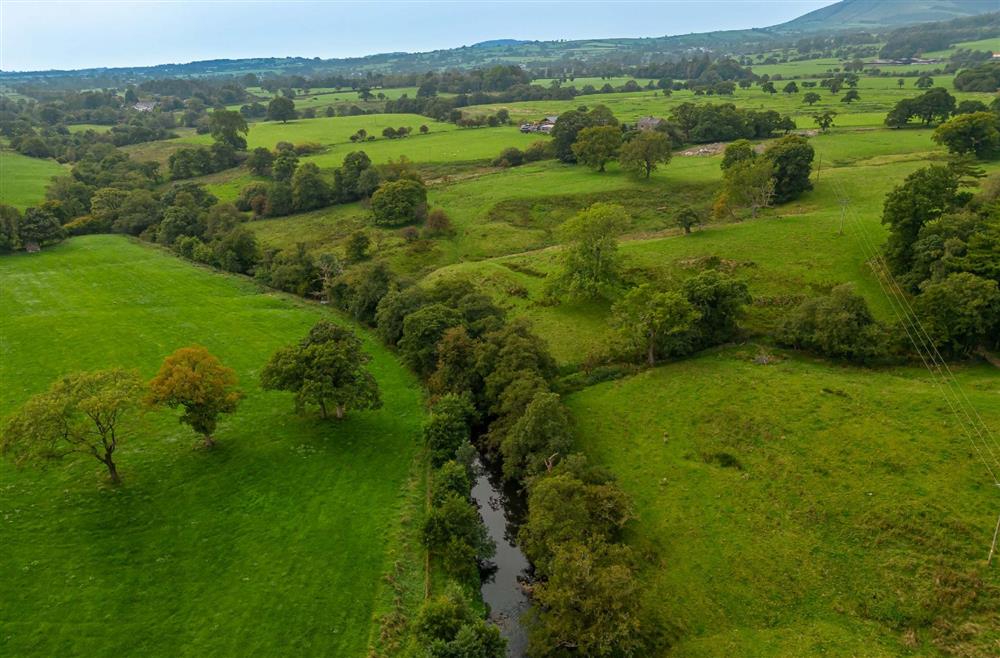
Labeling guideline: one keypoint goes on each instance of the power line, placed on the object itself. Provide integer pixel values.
(941, 374)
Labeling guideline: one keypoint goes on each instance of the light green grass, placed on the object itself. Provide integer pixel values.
(794, 250)
(23, 180)
(84, 127)
(878, 96)
(857, 513)
(273, 544)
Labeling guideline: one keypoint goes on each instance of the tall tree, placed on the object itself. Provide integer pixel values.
(281, 109)
(596, 145)
(591, 262)
(194, 379)
(654, 324)
(325, 368)
(924, 195)
(644, 152)
(791, 158)
(80, 414)
(229, 127)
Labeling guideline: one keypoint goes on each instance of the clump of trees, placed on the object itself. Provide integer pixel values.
(724, 122)
(971, 133)
(36, 227)
(942, 246)
(838, 325)
(933, 105)
(654, 324)
(753, 182)
(87, 413)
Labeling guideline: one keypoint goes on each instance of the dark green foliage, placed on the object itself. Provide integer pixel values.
(569, 124)
(956, 242)
(738, 151)
(360, 291)
(687, 218)
(539, 437)
(449, 629)
(10, 220)
(356, 178)
(393, 308)
(281, 109)
(791, 158)
(422, 330)
(325, 368)
(454, 531)
(284, 165)
(700, 123)
(259, 161)
(40, 227)
(399, 202)
(572, 505)
(924, 195)
(652, 324)
(985, 77)
(229, 127)
(237, 251)
(591, 264)
(450, 479)
(976, 133)
(292, 271)
(720, 299)
(596, 145)
(590, 601)
(309, 190)
(935, 104)
(356, 249)
(837, 325)
(960, 313)
(448, 426)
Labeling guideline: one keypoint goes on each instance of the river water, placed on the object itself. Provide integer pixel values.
(502, 508)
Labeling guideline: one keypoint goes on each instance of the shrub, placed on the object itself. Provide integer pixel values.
(399, 202)
(438, 223)
(838, 325)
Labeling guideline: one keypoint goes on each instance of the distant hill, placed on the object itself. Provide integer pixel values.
(876, 16)
(496, 43)
(881, 14)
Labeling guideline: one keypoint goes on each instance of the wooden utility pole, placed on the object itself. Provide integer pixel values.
(993, 546)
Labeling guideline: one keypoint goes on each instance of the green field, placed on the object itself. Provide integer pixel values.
(274, 543)
(851, 517)
(23, 180)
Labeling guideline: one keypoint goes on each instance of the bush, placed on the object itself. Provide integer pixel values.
(399, 202)
(509, 157)
(438, 223)
(838, 325)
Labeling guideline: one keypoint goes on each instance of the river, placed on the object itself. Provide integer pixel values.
(502, 508)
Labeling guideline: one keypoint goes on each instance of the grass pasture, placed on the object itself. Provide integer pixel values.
(801, 508)
(275, 543)
(23, 179)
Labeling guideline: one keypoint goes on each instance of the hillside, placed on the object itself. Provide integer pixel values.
(878, 14)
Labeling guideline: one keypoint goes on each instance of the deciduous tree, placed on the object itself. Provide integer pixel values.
(325, 368)
(644, 152)
(80, 414)
(195, 380)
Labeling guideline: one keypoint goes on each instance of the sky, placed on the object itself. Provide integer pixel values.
(41, 34)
